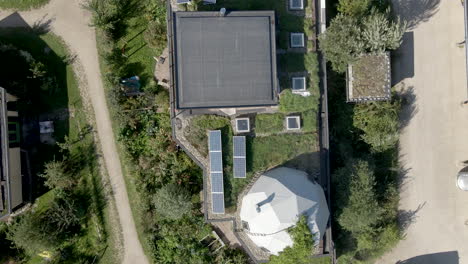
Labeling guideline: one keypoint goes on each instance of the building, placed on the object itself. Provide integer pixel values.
(224, 60)
(11, 184)
(369, 78)
(274, 204)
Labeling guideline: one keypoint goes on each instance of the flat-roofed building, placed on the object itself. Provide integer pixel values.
(369, 78)
(11, 184)
(224, 60)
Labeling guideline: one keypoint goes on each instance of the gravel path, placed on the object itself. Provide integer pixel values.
(69, 21)
(434, 142)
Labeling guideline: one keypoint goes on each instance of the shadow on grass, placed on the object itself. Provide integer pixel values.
(38, 95)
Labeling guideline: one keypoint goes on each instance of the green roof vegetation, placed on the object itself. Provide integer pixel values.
(269, 123)
(22, 4)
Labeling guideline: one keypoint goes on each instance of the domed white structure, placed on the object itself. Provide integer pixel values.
(275, 202)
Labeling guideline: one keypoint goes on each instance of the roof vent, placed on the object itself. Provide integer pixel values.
(222, 12)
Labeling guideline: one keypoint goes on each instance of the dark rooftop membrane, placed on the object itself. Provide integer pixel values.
(225, 61)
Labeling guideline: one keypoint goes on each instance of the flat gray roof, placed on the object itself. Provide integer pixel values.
(225, 61)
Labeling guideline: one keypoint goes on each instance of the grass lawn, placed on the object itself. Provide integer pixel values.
(64, 94)
(269, 123)
(22, 4)
(262, 152)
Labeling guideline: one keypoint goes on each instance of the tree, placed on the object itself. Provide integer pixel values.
(356, 8)
(362, 211)
(30, 233)
(172, 201)
(347, 37)
(342, 43)
(380, 123)
(301, 251)
(379, 33)
(56, 177)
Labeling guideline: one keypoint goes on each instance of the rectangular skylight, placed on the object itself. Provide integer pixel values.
(298, 83)
(296, 4)
(242, 125)
(297, 40)
(293, 122)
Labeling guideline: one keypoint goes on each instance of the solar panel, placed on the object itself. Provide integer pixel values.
(216, 171)
(239, 168)
(239, 146)
(239, 163)
(216, 162)
(217, 202)
(217, 182)
(215, 140)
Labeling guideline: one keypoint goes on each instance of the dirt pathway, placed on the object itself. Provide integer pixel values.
(69, 21)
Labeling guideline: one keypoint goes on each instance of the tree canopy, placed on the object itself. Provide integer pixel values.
(347, 37)
(172, 201)
(379, 122)
(362, 211)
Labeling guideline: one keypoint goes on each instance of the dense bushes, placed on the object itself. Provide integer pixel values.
(165, 182)
(379, 122)
(363, 138)
(300, 252)
(360, 30)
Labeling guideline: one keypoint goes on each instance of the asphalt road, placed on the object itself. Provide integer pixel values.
(431, 68)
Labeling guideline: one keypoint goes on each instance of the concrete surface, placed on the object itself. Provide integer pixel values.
(68, 20)
(435, 139)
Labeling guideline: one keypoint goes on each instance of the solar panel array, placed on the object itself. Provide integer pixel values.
(239, 157)
(216, 171)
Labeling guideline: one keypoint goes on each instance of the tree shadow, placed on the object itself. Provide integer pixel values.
(408, 217)
(403, 59)
(409, 107)
(37, 96)
(415, 11)
(449, 257)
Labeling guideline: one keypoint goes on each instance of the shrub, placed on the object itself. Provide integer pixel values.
(172, 202)
(301, 251)
(269, 123)
(379, 33)
(341, 43)
(379, 122)
(356, 8)
(56, 177)
(362, 211)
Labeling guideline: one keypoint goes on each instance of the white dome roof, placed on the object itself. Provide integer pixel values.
(275, 202)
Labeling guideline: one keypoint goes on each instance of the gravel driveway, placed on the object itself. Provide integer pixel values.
(435, 140)
(69, 21)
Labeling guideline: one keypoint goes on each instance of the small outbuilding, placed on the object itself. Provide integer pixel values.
(274, 204)
(369, 78)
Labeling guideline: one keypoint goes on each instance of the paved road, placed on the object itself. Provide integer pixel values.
(435, 140)
(70, 21)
